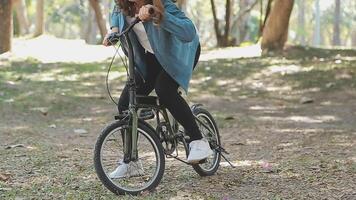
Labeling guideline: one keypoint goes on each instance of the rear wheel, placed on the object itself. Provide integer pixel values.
(209, 130)
(109, 152)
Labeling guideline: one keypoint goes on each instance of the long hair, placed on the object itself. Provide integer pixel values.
(128, 8)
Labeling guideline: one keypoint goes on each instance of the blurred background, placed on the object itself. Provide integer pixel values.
(322, 23)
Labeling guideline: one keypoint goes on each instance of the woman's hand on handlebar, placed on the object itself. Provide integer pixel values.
(106, 41)
(145, 12)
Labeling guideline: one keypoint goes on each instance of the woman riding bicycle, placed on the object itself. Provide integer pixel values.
(166, 49)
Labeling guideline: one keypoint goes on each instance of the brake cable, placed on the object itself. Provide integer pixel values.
(124, 61)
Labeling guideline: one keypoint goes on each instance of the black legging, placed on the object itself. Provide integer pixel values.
(167, 90)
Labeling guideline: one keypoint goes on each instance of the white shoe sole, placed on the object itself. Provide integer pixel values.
(196, 161)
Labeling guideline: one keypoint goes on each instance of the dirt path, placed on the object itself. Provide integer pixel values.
(282, 148)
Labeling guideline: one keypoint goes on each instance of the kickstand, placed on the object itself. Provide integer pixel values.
(228, 161)
(222, 150)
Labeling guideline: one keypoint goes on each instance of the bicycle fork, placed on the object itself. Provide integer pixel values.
(130, 144)
(131, 137)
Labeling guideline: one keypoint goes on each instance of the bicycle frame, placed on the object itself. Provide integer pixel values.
(137, 101)
(130, 144)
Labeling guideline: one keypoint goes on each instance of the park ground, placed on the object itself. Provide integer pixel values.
(288, 121)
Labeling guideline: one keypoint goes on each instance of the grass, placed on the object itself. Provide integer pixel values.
(56, 163)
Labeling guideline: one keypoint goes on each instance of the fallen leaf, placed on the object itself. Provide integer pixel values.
(330, 85)
(306, 100)
(43, 110)
(52, 126)
(63, 156)
(229, 118)
(237, 143)
(267, 167)
(4, 176)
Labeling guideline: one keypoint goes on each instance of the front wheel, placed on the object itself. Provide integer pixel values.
(209, 130)
(109, 154)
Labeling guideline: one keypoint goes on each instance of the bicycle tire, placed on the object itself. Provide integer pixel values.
(199, 111)
(149, 132)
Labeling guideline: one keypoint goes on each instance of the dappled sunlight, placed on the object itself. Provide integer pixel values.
(263, 108)
(45, 76)
(342, 140)
(281, 69)
(248, 163)
(314, 119)
(89, 95)
(303, 119)
(18, 129)
(233, 52)
(249, 142)
(49, 49)
(299, 130)
(81, 120)
(279, 89)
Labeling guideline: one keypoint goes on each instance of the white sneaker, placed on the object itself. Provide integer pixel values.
(199, 150)
(127, 170)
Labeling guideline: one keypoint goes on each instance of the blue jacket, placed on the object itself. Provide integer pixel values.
(174, 43)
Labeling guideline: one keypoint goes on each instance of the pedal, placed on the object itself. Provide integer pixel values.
(202, 161)
(122, 115)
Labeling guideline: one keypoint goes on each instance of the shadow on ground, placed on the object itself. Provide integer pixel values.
(288, 123)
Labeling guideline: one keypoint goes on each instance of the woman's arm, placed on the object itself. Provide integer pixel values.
(114, 26)
(175, 22)
(114, 21)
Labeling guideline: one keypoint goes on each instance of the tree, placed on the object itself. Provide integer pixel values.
(21, 14)
(6, 25)
(90, 29)
(317, 32)
(275, 30)
(301, 22)
(353, 37)
(222, 38)
(39, 28)
(337, 21)
(241, 20)
(100, 19)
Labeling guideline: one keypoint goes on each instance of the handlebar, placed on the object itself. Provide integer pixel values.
(115, 36)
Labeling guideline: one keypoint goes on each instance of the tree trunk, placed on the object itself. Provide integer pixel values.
(216, 24)
(275, 32)
(337, 21)
(223, 40)
(6, 25)
(243, 20)
(239, 28)
(317, 32)
(39, 29)
(21, 14)
(301, 22)
(100, 19)
(353, 38)
(226, 40)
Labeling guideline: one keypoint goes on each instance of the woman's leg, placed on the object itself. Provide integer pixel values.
(144, 87)
(167, 91)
